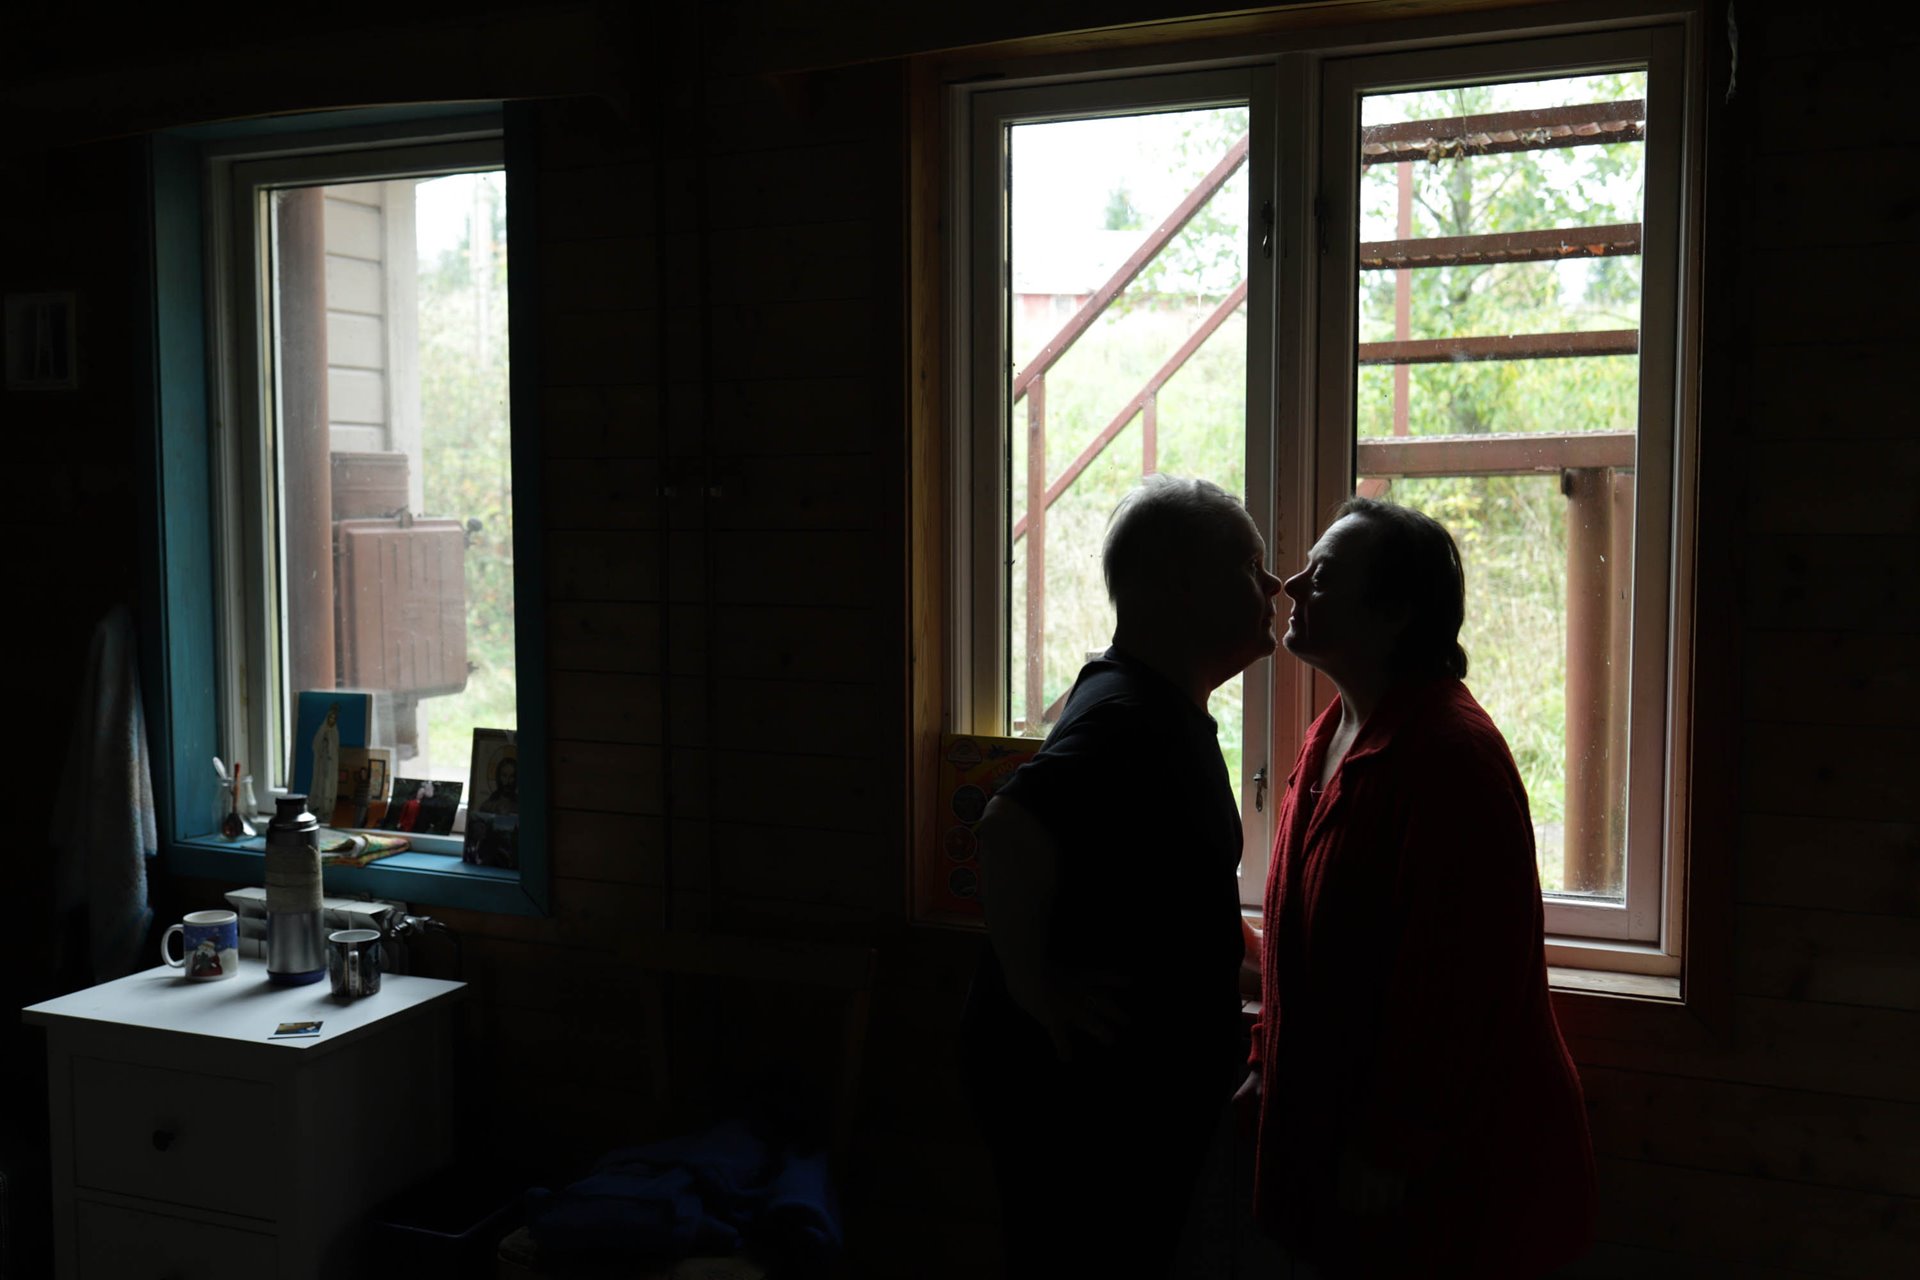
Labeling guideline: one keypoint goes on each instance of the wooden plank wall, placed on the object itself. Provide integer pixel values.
(1793, 1147)
(720, 267)
(74, 471)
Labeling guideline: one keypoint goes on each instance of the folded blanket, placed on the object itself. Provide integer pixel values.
(357, 849)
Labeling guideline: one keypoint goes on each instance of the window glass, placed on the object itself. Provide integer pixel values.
(1100, 395)
(1498, 389)
(393, 521)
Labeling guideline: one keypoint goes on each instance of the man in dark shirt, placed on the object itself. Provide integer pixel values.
(1101, 1040)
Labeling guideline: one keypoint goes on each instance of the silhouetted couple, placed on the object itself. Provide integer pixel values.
(1415, 1109)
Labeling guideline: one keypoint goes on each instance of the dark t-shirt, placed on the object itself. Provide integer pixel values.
(1133, 790)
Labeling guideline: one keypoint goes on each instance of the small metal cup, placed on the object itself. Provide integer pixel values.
(353, 962)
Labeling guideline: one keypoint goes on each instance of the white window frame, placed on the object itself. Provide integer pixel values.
(979, 321)
(250, 605)
(1308, 102)
(1656, 720)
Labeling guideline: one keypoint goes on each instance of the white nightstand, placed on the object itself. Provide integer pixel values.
(186, 1143)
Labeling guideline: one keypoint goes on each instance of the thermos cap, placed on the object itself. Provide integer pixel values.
(291, 811)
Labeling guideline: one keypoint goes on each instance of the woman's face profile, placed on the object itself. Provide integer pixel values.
(1335, 623)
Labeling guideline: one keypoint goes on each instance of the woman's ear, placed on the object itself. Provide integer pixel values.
(1395, 619)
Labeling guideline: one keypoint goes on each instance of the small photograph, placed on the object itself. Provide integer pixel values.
(288, 1030)
(422, 806)
(493, 800)
(364, 779)
(40, 342)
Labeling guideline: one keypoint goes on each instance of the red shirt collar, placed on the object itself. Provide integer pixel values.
(1402, 704)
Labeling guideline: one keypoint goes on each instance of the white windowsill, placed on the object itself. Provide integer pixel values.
(1627, 974)
(1646, 986)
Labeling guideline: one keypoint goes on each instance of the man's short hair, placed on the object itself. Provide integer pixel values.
(1161, 531)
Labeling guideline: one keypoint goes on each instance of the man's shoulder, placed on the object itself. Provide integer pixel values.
(1115, 698)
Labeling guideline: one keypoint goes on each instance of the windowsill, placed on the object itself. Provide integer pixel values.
(1654, 990)
(1644, 986)
(418, 876)
(1627, 978)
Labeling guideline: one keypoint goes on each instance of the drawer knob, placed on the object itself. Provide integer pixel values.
(163, 1138)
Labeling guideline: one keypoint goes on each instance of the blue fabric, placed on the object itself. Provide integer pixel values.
(710, 1192)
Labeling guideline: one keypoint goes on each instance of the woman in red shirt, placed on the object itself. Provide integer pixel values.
(1418, 1111)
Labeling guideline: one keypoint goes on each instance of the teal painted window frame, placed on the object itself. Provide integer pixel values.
(178, 610)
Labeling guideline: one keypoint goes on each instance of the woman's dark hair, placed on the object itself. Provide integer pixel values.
(1416, 563)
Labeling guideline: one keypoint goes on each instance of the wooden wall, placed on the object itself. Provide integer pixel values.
(722, 310)
(1793, 1146)
(72, 474)
(722, 444)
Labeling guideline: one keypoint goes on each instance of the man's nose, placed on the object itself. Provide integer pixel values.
(1292, 586)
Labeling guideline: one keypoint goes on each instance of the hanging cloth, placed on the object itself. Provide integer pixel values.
(104, 832)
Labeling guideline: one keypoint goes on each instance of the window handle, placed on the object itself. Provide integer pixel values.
(1266, 229)
(1260, 789)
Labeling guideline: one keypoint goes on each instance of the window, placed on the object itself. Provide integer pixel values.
(367, 479)
(1461, 277)
(1115, 331)
(1507, 268)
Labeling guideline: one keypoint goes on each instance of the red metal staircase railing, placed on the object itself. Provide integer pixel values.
(1595, 467)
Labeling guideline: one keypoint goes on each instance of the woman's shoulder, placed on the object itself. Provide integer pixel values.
(1453, 732)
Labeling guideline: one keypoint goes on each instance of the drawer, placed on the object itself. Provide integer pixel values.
(126, 1244)
(179, 1136)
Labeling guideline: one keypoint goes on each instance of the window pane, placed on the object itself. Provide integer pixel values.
(1499, 295)
(392, 451)
(1156, 382)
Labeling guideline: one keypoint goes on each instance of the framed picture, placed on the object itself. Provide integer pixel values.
(327, 722)
(423, 806)
(40, 342)
(493, 801)
(360, 794)
(972, 768)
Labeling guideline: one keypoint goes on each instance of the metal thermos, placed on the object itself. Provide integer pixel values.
(296, 942)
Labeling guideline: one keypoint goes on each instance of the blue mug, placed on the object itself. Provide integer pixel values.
(209, 945)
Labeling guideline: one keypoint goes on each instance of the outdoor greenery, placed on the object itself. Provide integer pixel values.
(1511, 529)
(1200, 412)
(466, 465)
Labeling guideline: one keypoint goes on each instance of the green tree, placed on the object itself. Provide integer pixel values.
(1121, 215)
(1511, 529)
(466, 458)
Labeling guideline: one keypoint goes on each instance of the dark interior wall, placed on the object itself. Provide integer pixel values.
(722, 409)
(1792, 1142)
(74, 462)
(73, 473)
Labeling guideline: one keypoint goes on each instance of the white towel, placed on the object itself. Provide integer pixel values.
(103, 821)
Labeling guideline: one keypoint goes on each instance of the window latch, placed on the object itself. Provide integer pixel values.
(1260, 789)
(1266, 229)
